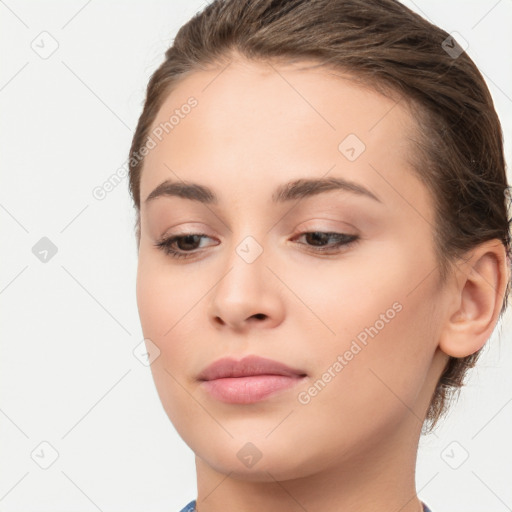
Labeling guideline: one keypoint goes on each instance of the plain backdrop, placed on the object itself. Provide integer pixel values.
(74, 397)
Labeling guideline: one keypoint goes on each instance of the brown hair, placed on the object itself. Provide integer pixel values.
(390, 48)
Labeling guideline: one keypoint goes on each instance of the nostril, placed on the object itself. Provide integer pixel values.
(260, 316)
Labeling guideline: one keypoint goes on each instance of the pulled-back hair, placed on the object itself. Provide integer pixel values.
(459, 153)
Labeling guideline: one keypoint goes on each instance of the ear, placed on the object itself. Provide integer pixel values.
(477, 292)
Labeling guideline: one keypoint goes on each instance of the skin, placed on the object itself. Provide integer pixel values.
(255, 127)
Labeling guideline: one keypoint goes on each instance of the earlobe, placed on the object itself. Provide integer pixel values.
(479, 292)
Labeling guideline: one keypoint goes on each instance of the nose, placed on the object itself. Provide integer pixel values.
(247, 296)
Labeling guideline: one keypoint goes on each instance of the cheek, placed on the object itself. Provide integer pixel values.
(163, 317)
(152, 304)
(378, 383)
(171, 310)
(378, 309)
(164, 297)
(161, 306)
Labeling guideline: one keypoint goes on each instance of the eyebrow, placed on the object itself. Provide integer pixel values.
(296, 189)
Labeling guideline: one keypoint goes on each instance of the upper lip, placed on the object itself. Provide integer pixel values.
(249, 365)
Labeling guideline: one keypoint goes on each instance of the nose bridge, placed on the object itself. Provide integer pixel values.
(246, 243)
(245, 267)
(246, 288)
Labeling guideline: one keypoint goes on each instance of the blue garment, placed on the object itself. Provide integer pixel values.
(191, 507)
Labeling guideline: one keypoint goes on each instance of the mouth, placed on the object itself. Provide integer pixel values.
(250, 380)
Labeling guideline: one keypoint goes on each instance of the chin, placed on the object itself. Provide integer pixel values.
(271, 460)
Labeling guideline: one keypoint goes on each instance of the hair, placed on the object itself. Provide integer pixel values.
(389, 48)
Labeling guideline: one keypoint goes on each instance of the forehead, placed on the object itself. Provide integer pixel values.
(255, 121)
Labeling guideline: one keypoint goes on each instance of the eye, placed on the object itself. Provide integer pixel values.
(318, 240)
(187, 241)
(186, 245)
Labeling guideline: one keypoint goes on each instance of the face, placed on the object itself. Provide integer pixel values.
(335, 281)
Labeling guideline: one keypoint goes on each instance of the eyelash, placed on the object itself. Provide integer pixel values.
(165, 244)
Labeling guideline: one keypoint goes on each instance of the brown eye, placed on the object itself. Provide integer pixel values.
(181, 246)
(320, 239)
(188, 242)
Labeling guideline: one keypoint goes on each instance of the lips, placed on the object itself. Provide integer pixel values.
(249, 380)
(246, 367)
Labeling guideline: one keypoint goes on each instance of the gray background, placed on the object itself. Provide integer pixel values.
(68, 376)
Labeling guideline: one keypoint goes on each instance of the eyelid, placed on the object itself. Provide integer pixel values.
(319, 224)
(187, 228)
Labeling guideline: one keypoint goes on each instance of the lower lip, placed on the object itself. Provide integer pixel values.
(247, 390)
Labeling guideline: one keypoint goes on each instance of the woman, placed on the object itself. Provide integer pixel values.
(323, 243)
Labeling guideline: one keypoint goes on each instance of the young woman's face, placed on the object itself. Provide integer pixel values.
(357, 321)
